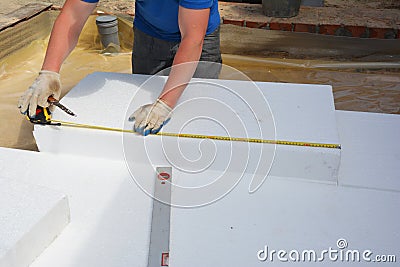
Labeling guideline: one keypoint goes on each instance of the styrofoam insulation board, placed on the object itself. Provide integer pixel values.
(110, 215)
(286, 215)
(236, 108)
(370, 150)
(31, 217)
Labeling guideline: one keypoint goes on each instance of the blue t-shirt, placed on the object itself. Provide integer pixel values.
(159, 18)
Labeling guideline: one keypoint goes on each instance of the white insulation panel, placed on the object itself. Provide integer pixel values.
(111, 208)
(287, 215)
(370, 150)
(31, 217)
(290, 112)
(109, 215)
(109, 175)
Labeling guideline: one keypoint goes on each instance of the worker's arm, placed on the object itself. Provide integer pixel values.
(63, 39)
(66, 31)
(193, 26)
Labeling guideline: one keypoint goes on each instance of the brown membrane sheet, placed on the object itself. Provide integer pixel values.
(354, 89)
(18, 71)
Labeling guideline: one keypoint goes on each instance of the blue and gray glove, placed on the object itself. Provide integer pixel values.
(150, 118)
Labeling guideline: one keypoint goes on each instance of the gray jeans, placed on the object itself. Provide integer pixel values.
(152, 55)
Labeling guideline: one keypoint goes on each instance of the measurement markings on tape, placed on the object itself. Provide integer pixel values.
(160, 221)
(251, 140)
(213, 137)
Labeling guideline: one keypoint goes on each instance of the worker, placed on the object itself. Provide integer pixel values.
(169, 33)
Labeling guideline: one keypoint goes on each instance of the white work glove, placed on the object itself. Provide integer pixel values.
(151, 118)
(46, 84)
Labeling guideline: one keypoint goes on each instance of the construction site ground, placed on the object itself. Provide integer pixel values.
(361, 14)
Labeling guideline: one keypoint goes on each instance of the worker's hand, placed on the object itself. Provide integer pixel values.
(151, 118)
(46, 84)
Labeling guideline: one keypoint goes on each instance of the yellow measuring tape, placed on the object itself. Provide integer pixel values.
(200, 136)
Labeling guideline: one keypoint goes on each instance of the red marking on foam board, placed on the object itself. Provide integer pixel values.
(163, 176)
(164, 259)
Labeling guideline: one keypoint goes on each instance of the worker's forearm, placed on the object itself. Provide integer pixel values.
(183, 68)
(60, 45)
(65, 33)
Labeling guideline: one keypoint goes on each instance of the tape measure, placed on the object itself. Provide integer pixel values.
(200, 136)
(252, 140)
(41, 116)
